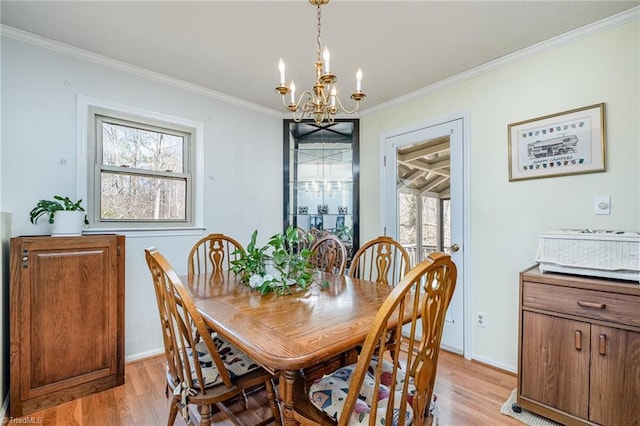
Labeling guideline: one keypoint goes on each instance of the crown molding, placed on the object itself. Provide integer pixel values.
(555, 42)
(564, 39)
(95, 58)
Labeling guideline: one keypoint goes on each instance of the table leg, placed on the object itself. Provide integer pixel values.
(287, 395)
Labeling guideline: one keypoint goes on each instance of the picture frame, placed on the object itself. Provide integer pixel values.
(565, 143)
(315, 221)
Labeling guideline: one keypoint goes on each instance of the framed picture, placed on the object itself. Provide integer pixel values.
(315, 222)
(566, 143)
(340, 222)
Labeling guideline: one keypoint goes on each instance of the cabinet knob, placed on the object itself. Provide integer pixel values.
(578, 340)
(602, 344)
(455, 248)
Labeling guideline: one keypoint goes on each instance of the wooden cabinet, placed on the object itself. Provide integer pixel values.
(579, 348)
(66, 319)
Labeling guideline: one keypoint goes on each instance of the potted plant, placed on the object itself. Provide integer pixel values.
(278, 266)
(344, 233)
(250, 262)
(67, 218)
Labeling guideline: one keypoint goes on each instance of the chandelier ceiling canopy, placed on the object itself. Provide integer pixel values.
(322, 103)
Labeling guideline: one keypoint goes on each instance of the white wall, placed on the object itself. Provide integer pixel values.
(243, 160)
(243, 187)
(506, 217)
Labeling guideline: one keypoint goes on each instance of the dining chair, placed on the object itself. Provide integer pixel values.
(375, 391)
(214, 254)
(202, 368)
(317, 234)
(305, 239)
(382, 260)
(329, 254)
(385, 261)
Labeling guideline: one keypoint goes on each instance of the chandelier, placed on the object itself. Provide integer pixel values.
(322, 103)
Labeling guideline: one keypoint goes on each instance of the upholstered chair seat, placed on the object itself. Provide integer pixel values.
(236, 362)
(329, 393)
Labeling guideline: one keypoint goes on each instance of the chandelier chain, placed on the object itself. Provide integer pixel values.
(319, 15)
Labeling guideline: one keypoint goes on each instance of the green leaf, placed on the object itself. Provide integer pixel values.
(50, 207)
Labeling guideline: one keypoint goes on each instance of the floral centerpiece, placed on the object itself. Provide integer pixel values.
(282, 264)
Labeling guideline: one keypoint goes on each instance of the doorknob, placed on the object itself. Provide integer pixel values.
(455, 248)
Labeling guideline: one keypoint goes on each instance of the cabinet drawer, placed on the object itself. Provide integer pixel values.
(606, 306)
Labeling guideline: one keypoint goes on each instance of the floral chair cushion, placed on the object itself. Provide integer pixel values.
(329, 393)
(236, 362)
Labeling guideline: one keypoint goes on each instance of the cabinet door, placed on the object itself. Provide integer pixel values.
(555, 362)
(615, 376)
(321, 178)
(69, 309)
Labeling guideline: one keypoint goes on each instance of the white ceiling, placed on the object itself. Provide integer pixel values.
(233, 47)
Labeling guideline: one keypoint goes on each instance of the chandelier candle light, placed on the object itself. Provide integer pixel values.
(323, 102)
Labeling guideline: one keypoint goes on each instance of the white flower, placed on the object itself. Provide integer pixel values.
(255, 281)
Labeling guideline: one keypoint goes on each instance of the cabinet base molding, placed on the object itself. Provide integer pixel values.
(33, 405)
(550, 412)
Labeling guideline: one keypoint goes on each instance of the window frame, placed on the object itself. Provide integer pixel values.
(91, 112)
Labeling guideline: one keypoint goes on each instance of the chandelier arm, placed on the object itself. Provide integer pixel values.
(296, 106)
(296, 118)
(307, 97)
(284, 102)
(343, 109)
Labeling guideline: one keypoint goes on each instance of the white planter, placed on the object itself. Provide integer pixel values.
(67, 223)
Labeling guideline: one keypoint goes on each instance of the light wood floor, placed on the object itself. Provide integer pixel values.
(469, 394)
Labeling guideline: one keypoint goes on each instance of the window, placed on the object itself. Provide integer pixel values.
(140, 170)
(143, 172)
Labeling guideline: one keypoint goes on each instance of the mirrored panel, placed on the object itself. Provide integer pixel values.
(321, 171)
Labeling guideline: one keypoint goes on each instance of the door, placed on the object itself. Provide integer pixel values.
(614, 385)
(555, 362)
(423, 203)
(67, 319)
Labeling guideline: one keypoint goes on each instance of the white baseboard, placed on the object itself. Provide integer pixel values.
(142, 355)
(493, 363)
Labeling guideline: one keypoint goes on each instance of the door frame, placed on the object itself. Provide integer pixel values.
(466, 200)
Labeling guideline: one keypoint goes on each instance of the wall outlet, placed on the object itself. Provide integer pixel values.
(481, 319)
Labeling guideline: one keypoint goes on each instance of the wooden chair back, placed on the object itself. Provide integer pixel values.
(317, 233)
(305, 239)
(190, 349)
(213, 253)
(419, 302)
(382, 260)
(329, 255)
(181, 323)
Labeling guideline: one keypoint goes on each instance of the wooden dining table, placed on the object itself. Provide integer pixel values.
(298, 336)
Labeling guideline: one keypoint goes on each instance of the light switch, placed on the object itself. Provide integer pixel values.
(602, 205)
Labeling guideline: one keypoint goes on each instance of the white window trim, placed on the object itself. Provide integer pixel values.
(85, 104)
